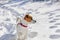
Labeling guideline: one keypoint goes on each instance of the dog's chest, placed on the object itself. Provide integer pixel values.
(22, 28)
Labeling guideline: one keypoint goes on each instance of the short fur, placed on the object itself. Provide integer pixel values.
(22, 32)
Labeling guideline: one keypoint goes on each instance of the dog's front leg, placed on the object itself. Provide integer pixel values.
(19, 36)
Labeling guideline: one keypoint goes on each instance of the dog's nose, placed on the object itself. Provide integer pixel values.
(35, 21)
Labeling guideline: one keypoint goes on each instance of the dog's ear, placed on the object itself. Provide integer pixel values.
(26, 16)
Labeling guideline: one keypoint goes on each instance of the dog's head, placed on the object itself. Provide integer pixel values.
(29, 18)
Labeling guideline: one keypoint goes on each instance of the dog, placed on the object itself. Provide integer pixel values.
(22, 26)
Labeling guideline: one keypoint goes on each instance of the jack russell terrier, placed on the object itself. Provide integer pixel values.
(22, 28)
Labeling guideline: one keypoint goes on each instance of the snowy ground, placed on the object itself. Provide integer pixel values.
(46, 14)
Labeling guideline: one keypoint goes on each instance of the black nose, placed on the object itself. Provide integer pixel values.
(35, 21)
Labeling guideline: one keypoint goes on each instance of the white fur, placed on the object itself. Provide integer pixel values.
(21, 31)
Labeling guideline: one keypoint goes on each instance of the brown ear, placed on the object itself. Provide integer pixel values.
(26, 16)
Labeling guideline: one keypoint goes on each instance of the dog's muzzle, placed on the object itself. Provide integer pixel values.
(33, 21)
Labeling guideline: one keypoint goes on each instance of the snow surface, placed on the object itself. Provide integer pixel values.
(47, 15)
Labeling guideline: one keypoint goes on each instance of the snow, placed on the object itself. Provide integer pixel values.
(46, 14)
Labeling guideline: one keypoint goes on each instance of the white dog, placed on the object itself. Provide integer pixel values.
(22, 29)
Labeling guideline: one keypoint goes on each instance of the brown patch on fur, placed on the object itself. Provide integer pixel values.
(28, 18)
